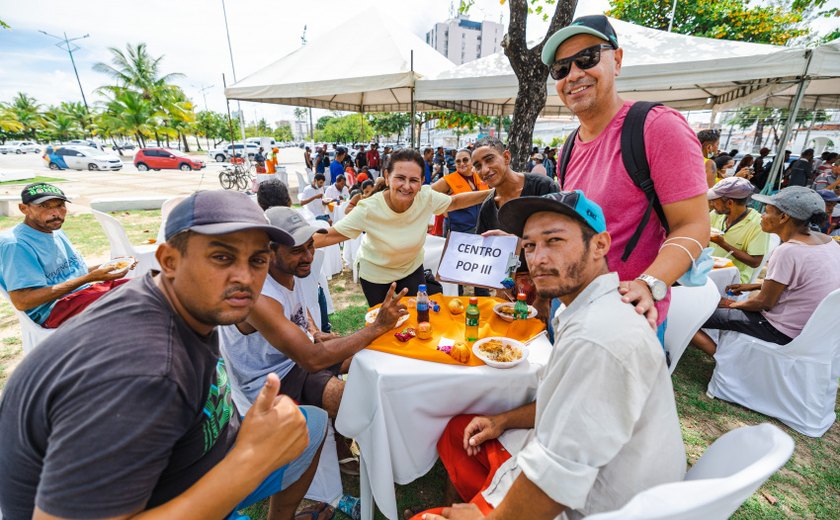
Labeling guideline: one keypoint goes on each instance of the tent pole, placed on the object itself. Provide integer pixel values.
(813, 120)
(413, 106)
(774, 177)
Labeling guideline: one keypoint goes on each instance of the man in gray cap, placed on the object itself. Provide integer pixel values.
(279, 337)
(736, 228)
(128, 410)
(585, 59)
(801, 272)
(44, 275)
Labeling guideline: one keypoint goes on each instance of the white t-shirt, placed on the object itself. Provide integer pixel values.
(250, 358)
(316, 207)
(333, 193)
(606, 421)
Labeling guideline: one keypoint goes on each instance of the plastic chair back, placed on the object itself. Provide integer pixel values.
(31, 333)
(773, 242)
(121, 245)
(731, 470)
(301, 184)
(165, 209)
(690, 308)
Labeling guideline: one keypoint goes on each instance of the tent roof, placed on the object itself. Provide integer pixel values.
(681, 71)
(363, 66)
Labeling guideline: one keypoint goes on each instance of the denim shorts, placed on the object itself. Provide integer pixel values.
(285, 476)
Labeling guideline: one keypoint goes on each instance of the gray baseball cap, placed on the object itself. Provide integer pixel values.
(292, 223)
(731, 188)
(220, 213)
(799, 202)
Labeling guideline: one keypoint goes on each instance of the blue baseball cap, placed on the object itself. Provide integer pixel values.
(220, 213)
(597, 25)
(515, 213)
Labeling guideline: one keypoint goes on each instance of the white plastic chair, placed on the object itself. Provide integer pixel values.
(332, 254)
(165, 209)
(433, 251)
(121, 245)
(310, 175)
(773, 242)
(301, 184)
(31, 333)
(690, 308)
(731, 470)
(795, 383)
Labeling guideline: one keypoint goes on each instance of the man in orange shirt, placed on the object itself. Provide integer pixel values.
(271, 163)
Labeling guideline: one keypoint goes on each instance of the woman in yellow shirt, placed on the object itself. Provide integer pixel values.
(395, 222)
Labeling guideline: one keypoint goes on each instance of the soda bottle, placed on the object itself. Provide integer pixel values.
(422, 304)
(520, 309)
(472, 318)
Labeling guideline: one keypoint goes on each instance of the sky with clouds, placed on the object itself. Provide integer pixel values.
(191, 36)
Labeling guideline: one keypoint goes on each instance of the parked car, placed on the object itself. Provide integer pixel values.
(127, 145)
(20, 147)
(163, 159)
(82, 158)
(84, 142)
(224, 154)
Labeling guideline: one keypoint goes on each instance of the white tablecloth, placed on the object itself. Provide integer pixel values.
(397, 408)
(725, 276)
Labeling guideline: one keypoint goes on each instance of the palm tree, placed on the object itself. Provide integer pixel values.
(8, 120)
(138, 70)
(128, 112)
(60, 125)
(27, 111)
(79, 113)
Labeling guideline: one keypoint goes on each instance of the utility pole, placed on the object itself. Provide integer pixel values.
(673, 13)
(203, 90)
(311, 131)
(65, 44)
(233, 69)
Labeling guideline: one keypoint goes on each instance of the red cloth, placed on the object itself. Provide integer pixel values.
(469, 474)
(76, 302)
(437, 229)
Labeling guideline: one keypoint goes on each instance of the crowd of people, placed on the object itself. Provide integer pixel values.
(127, 409)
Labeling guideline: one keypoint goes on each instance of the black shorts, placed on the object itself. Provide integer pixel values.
(307, 387)
(750, 323)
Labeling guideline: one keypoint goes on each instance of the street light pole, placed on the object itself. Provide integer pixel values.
(203, 90)
(673, 13)
(64, 44)
(233, 69)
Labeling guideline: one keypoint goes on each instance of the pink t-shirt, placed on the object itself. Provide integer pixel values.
(677, 171)
(810, 274)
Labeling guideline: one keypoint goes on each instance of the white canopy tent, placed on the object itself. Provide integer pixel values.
(684, 72)
(368, 64)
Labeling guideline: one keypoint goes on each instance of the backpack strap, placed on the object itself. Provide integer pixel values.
(566, 156)
(635, 162)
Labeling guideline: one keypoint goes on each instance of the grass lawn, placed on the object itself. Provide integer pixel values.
(808, 486)
(38, 178)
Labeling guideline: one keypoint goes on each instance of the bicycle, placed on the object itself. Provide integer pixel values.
(236, 177)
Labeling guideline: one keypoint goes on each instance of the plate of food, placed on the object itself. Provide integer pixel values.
(505, 311)
(371, 315)
(500, 352)
(120, 264)
(722, 261)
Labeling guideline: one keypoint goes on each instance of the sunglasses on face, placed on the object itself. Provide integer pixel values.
(464, 161)
(585, 59)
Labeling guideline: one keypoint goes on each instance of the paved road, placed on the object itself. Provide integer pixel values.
(84, 186)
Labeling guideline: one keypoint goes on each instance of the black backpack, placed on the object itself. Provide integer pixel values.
(635, 162)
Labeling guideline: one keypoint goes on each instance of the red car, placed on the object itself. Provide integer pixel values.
(164, 159)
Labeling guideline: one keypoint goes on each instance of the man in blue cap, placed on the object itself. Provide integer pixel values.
(585, 59)
(129, 411)
(604, 425)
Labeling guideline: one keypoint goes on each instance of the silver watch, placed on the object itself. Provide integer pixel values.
(657, 287)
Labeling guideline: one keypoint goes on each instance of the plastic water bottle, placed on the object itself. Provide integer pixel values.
(422, 304)
(472, 318)
(520, 309)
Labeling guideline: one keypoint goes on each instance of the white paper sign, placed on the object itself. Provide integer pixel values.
(477, 260)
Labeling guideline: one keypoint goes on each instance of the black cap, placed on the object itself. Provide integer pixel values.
(595, 24)
(39, 192)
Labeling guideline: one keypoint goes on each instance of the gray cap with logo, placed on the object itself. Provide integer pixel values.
(292, 223)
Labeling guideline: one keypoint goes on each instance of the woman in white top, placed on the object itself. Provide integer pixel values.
(395, 223)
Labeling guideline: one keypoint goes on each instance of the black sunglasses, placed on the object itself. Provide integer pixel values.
(585, 59)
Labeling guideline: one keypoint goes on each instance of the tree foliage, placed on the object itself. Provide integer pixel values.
(388, 124)
(765, 22)
(353, 128)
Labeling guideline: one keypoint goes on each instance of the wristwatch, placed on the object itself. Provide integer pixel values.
(657, 287)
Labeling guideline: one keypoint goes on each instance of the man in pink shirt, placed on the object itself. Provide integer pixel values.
(585, 59)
